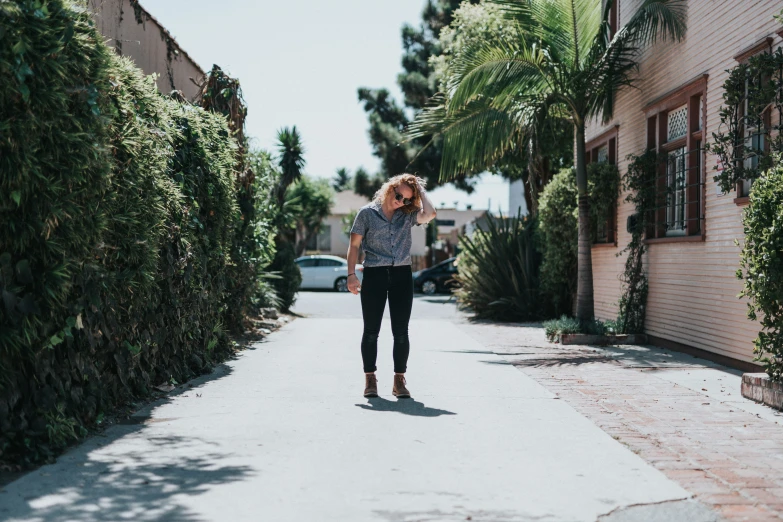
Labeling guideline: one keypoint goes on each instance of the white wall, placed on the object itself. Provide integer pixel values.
(516, 198)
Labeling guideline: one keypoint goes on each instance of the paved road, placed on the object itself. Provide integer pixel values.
(283, 434)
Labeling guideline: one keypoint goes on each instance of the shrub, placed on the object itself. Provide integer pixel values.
(498, 271)
(558, 230)
(253, 247)
(762, 266)
(119, 213)
(554, 329)
(288, 279)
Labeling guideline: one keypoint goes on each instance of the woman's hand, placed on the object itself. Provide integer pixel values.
(353, 284)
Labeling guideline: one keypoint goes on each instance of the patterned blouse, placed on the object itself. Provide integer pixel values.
(385, 243)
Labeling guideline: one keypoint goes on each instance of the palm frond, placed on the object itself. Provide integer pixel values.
(656, 19)
(474, 137)
(505, 68)
(291, 156)
(616, 66)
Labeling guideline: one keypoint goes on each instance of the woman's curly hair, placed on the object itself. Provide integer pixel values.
(414, 182)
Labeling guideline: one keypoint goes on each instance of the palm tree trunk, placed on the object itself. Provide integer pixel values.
(584, 282)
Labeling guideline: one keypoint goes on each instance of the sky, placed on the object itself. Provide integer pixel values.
(300, 62)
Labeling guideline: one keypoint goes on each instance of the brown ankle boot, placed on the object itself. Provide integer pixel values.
(399, 390)
(370, 385)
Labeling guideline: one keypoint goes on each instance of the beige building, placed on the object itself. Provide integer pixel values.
(135, 33)
(334, 240)
(692, 257)
(452, 224)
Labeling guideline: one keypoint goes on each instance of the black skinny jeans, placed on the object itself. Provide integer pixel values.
(396, 283)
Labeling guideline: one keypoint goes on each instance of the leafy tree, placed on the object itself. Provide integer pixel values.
(312, 202)
(347, 221)
(364, 185)
(762, 266)
(388, 119)
(341, 180)
(291, 162)
(564, 63)
(558, 230)
(542, 150)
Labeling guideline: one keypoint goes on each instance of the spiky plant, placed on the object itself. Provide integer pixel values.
(291, 159)
(498, 271)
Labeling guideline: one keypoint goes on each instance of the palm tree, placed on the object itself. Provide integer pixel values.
(341, 180)
(291, 158)
(565, 63)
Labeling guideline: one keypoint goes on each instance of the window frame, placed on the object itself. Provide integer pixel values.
(693, 94)
(607, 139)
(764, 45)
(312, 262)
(613, 16)
(331, 263)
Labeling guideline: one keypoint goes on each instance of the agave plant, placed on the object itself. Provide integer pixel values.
(498, 270)
(565, 62)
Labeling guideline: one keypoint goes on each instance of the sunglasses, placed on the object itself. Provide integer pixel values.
(398, 197)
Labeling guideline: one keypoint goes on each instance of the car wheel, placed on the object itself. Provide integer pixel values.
(429, 287)
(341, 285)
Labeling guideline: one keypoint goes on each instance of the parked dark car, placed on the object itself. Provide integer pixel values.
(439, 278)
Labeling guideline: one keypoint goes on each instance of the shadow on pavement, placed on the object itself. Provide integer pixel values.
(404, 406)
(126, 472)
(642, 357)
(556, 361)
(144, 484)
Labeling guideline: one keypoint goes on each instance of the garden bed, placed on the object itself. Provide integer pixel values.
(758, 387)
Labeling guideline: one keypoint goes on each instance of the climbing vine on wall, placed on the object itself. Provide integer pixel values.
(639, 182)
(746, 140)
(603, 183)
(172, 49)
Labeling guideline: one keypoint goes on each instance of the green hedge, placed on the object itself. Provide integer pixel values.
(120, 220)
(558, 230)
(558, 225)
(762, 266)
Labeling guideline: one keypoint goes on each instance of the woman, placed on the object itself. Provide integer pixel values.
(383, 229)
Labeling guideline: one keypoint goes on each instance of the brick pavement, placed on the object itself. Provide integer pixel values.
(726, 450)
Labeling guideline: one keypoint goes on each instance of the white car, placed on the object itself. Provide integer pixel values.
(325, 272)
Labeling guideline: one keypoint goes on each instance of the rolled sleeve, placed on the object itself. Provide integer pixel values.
(360, 223)
(415, 218)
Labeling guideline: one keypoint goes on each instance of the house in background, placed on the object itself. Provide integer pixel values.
(451, 224)
(692, 257)
(135, 33)
(333, 239)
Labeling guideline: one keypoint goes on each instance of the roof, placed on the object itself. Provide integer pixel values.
(347, 201)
